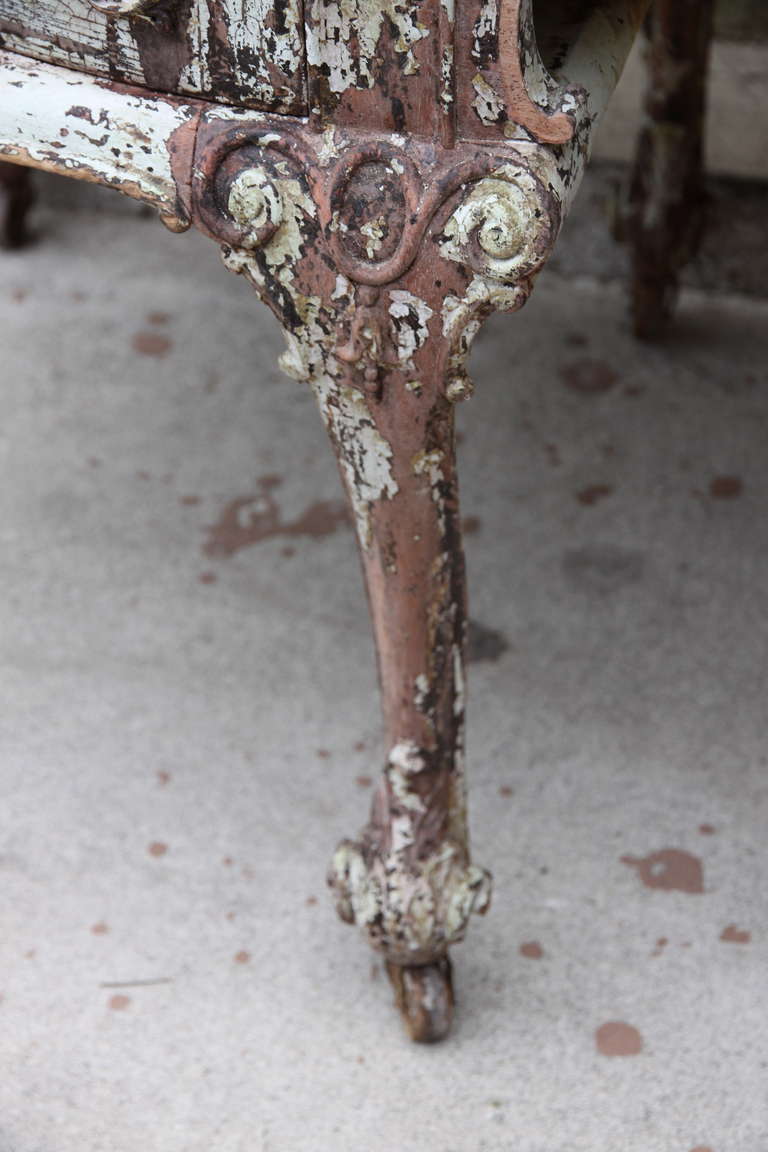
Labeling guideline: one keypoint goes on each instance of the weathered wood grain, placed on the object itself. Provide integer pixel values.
(246, 52)
(62, 122)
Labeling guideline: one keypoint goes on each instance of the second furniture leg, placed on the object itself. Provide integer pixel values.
(667, 201)
(16, 198)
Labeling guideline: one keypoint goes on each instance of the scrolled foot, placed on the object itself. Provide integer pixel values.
(412, 913)
(424, 997)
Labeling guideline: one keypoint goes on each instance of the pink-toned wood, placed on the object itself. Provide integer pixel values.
(424, 190)
(381, 258)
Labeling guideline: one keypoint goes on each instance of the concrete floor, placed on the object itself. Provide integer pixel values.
(175, 771)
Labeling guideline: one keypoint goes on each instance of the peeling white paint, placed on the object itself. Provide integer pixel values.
(429, 464)
(405, 761)
(333, 28)
(374, 231)
(410, 323)
(65, 122)
(421, 691)
(487, 102)
(458, 681)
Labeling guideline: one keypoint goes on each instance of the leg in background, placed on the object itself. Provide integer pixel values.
(16, 198)
(667, 202)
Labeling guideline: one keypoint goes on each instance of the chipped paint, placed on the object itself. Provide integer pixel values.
(487, 102)
(52, 119)
(343, 40)
(424, 190)
(242, 52)
(410, 320)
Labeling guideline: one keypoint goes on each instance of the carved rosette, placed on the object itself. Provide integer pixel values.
(374, 251)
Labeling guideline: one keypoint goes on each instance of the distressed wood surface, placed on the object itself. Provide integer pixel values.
(62, 122)
(381, 231)
(247, 52)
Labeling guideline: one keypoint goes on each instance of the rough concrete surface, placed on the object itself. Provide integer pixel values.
(185, 733)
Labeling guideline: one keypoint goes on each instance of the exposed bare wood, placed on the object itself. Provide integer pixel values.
(425, 190)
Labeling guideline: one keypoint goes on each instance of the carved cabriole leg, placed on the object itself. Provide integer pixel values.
(380, 261)
(16, 198)
(667, 201)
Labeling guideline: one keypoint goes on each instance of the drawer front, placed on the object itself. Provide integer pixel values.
(247, 52)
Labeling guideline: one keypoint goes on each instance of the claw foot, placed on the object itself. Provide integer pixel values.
(424, 997)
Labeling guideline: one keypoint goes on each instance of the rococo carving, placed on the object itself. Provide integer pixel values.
(421, 246)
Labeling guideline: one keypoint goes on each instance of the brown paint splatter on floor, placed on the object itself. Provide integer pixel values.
(152, 344)
(615, 1038)
(484, 643)
(287, 551)
(158, 318)
(670, 869)
(359, 746)
(100, 929)
(119, 1002)
(157, 848)
(707, 829)
(471, 525)
(363, 781)
(311, 901)
(323, 754)
(588, 377)
(661, 944)
(189, 501)
(505, 790)
(725, 487)
(242, 957)
(163, 778)
(591, 495)
(553, 455)
(734, 935)
(251, 519)
(207, 577)
(532, 950)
